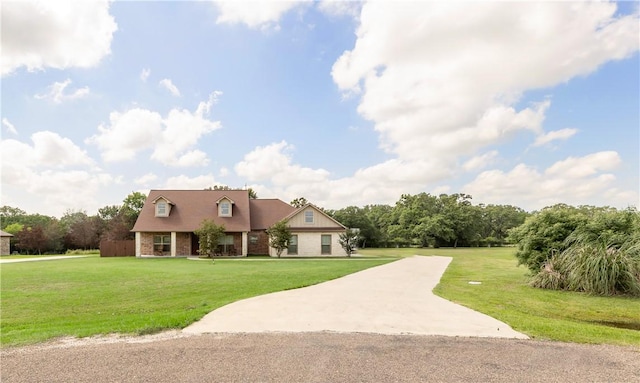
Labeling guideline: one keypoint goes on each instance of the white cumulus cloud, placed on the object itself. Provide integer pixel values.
(255, 14)
(52, 169)
(581, 180)
(172, 138)
(481, 161)
(449, 88)
(273, 163)
(55, 34)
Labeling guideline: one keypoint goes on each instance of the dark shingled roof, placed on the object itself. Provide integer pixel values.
(266, 212)
(191, 207)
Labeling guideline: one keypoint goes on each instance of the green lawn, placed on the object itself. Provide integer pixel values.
(89, 296)
(541, 314)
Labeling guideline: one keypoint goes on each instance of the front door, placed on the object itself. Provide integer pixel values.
(195, 244)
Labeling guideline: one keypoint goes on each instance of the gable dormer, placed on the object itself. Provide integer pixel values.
(225, 207)
(162, 206)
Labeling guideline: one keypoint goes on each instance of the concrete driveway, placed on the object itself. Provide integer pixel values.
(395, 298)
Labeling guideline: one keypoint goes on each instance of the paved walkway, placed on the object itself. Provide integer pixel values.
(53, 258)
(395, 298)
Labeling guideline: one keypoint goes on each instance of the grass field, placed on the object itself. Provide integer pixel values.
(89, 296)
(541, 314)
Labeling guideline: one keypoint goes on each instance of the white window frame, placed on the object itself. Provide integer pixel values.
(225, 205)
(309, 214)
(162, 208)
(322, 245)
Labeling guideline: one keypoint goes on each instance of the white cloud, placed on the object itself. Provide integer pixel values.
(562, 134)
(49, 150)
(581, 180)
(52, 169)
(9, 126)
(144, 75)
(183, 182)
(257, 15)
(56, 92)
(274, 168)
(580, 167)
(438, 92)
(481, 161)
(128, 133)
(171, 138)
(337, 8)
(168, 84)
(146, 179)
(272, 163)
(55, 34)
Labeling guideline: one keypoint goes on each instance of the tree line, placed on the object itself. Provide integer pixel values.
(425, 220)
(41, 234)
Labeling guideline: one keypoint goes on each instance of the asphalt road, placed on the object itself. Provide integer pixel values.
(323, 357)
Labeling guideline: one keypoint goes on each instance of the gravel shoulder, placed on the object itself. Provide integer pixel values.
(322, 357)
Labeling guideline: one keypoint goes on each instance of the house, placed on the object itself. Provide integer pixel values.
(5, 243)
(169, 218)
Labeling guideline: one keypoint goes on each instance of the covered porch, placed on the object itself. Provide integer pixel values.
(181, 244)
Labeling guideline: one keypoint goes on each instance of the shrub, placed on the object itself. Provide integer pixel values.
(601, 266)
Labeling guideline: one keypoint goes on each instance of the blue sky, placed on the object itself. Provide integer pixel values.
(343, 103)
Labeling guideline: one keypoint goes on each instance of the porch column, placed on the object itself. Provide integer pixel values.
(173, 244)
(138, 244)
(245, 244)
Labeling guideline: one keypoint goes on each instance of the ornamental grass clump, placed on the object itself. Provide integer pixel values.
(601, 265)
(549, 276)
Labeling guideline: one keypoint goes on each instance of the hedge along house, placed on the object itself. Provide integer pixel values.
(169, 218)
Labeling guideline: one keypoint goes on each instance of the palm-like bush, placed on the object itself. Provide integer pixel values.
(603, 265)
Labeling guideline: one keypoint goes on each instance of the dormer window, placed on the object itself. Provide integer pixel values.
(163, 207)
(225, 207)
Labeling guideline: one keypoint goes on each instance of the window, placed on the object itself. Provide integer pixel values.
(225, 209)
(293, 245)
(253, 239)
(308, 216)
(161, 209)
(161, 244)
(326, 244)
(225, 245)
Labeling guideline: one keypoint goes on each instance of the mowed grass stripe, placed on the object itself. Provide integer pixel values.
(90, 296)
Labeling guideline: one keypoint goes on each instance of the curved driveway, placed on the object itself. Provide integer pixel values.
(395, 298)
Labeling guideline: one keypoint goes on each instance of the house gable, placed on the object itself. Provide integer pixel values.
(311, 218)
